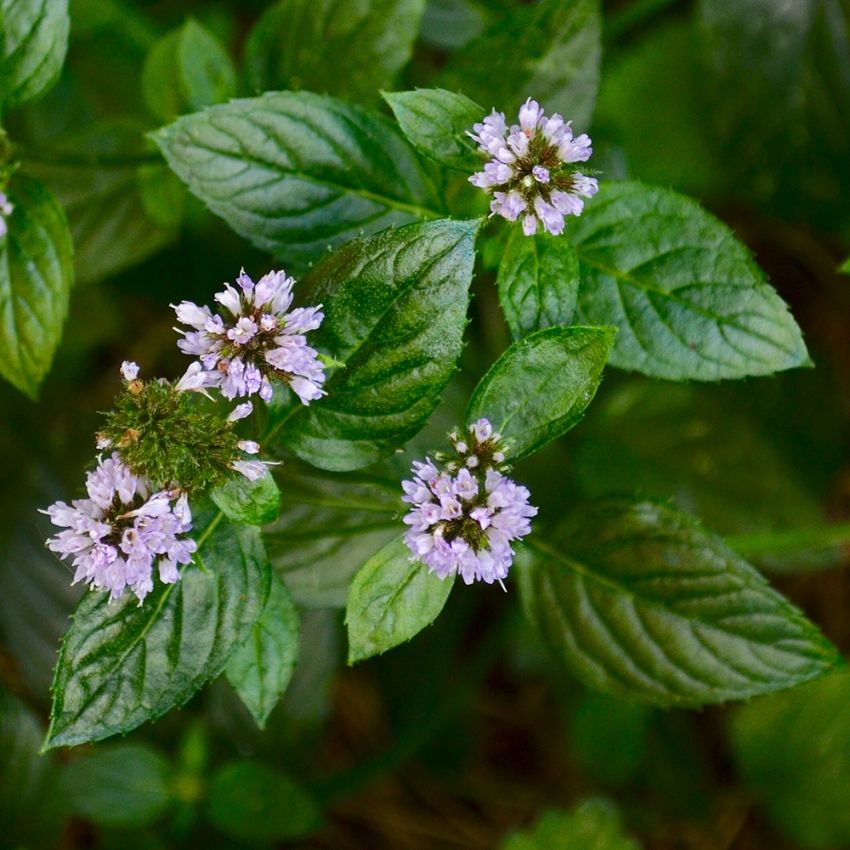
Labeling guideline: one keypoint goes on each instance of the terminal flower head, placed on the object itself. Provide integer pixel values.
(253, 337)
(532, 171)
(465, 511)
(117, 536)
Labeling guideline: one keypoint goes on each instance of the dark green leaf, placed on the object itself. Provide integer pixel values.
(538, 282)
(295, 172)
(350, 50)
(255, 502)
(436, 122)
(251, 802)
(540, 387)
(187, 69)
(794, 752)
(642, 602)
(549, 50)
(125, 786)
(689, 301)
(35, 284)
(329, 526)
(33, 41)
(108, 202)
(392, 599)
(261, 668)
(122, 663)
(31, 803)
(395, 309)
(449, 24)
(594, 825)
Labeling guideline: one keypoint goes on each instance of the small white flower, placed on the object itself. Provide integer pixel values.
(129, 370)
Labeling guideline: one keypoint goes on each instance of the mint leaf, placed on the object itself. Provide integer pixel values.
(329, 526)
(689, 301)
(793, 750)
(122, 663)
(295, 172)
(395, 310)
(392, 599)
(594, 824)
(261, 668)
(538, 282)
(641, 602)
(252, 802)
(187, 69)
(557, 44)
(124, 786)
(35, 284)
(540, 387)
(253, 502)
(436, 122)
(350, 50)
(33, 42)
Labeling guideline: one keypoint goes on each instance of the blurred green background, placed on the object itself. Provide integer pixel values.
(470, 732)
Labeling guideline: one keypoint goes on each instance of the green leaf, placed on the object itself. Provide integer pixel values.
(122, 663)
(350, 50)
(33, 42)
(540, 387)
(449, 24)
(329, 526)
(249, 801)
(593, 825)
(186, 70)
(125, 786)
(295, 172)
(436, 122)
(392, 599)
(35, 284)
(108, 201)
(395, 310)
(549, 50)
(793, 750)
(254, 502)
(538, 282)
(261, 668)
(688, 299)
(31, 802)
(643, 603)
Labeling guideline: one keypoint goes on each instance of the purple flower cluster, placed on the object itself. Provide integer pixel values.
(531, 172)
(464, 517)
(254, 337)
(117, 535)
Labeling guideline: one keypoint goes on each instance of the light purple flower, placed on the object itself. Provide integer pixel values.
(254, 337)
(531, 171)
(464, 515)
(116, 536)
(6, 209)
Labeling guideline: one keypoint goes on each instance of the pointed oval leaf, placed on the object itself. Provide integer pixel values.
(392, 599)
(296, 172)
(347, 49)
(550, 51)
(395, 310)
(538, 282)
(254, 502)
(261, 668)
(36, 272)
(33, 43)
(687, 297)
(641, 602)
(436, 122)
(540, 387)
(122, 663)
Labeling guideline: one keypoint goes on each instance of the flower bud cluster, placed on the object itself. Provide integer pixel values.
(465, 511)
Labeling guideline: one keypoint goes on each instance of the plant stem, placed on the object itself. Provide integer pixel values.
(793, 540)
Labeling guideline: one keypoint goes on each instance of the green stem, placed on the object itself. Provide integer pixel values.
(793, 540)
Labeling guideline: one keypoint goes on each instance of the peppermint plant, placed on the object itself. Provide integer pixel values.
(425, 287)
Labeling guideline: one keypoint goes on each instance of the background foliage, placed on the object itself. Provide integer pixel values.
(473, 735)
